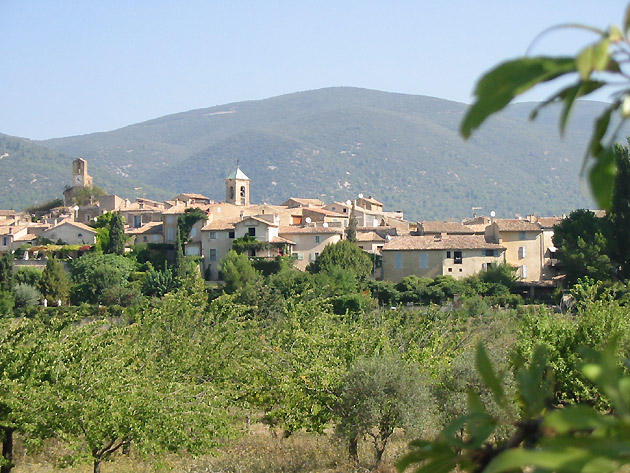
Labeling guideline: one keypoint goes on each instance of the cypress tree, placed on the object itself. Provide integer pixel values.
(620, 212)
(351, 231)
(6, 272)
(116, 235)
(55, 283)
(178, 258)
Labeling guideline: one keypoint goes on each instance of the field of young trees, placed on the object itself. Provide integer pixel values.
(144, 367)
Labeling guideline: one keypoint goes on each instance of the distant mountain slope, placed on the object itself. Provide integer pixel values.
(31, 174)
(335, 143)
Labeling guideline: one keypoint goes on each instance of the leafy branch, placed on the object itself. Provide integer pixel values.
(602, 65)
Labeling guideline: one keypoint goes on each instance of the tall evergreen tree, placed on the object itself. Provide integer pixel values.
(6, 272)
(178, 258)
(620, 212)
(351, 231)
(116, 235)
(55, 283)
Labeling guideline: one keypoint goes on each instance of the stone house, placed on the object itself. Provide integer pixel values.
(438, 255)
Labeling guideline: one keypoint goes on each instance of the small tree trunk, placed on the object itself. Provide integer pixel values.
(7, 449)
(353, 449)
(97, 466)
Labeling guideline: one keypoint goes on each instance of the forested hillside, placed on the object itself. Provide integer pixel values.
(335, 143)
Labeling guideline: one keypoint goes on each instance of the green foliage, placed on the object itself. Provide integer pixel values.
(238, 273)
(583, 243)
(343, 254)
(576, 438)
(6, 303)
(87, 195)
(563, 337)
(597, 66)
(54, 284)
(186, 221)
(25, 295)
(116, 235)
(351, 231)
(620, 212)
(247, 244)
(157, 283)
(94, 273)
(379, 395)
(178, 254)
(6, 272)
(28, 275)
(45, 207)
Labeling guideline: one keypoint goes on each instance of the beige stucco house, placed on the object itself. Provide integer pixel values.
(310, 241)
(436, 255)
(524, 243)
(71, 233)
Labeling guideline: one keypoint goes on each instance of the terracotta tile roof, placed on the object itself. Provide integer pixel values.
(369, 236)
(261, 220)
(279, 239)
(7, 213)
(226, 223)
(80, 225)
(151, 228)
(187, 195)
(328, 213)
(295, 230)
(447, 242)
(305, 202)
(516, 225)
(371, 200)
(444, 227)
(11, 229)
(548, 222)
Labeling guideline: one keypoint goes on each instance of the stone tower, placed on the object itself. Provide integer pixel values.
(80, 176)
(237, 188)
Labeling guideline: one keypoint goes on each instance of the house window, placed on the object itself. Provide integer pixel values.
(398, 261)
(170, 219)
(79, 235)
(251, 231)
(212, 254)
(5, 241)
(523, 271)
(424, 260)
(345, 211)
(193, 232)
(170, 234)
(522, 236)
(137, 221)
(522, 252)
(317, 239)
(144, 239)
(156, 238)
(300, 256)
(213, 235)
(489, 253)
(311, 257)
(457, 257)
(231, 234)
(448, 254)
(450, 270)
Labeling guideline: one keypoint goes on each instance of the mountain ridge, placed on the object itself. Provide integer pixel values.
(334, 143)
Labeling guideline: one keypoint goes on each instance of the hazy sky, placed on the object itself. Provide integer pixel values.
(75, 67)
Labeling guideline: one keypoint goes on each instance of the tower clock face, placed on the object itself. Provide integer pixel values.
(78, 180)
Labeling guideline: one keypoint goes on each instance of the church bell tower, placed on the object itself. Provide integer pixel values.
(237, 188)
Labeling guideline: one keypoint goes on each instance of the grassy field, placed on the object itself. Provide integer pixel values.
(259, 451)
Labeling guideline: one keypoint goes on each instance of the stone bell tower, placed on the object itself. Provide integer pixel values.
(237, 188)
(80, 178)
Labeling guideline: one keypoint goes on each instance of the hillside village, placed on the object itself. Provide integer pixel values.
(300, 227)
